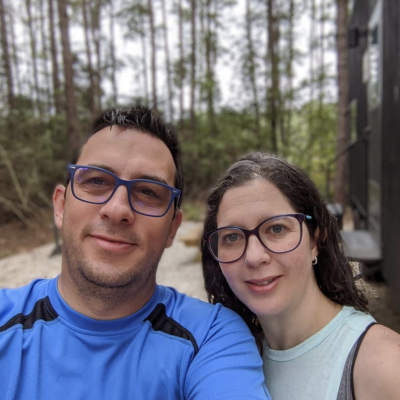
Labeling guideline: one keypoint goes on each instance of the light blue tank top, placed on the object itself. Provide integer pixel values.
(314, 368)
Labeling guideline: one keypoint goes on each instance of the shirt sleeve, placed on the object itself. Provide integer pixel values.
(228, 364)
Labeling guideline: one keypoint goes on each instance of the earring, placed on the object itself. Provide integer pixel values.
(315, 261)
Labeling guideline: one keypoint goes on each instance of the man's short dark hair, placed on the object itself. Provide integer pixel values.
(144, 120)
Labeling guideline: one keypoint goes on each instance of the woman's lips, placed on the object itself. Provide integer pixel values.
(264, 285)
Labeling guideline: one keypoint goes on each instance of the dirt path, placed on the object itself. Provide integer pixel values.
(178, 266)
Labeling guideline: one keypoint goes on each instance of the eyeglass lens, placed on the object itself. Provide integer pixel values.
(96, 186)
(279, 234)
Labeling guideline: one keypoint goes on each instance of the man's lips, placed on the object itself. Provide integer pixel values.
(111, 239)
(111, 243)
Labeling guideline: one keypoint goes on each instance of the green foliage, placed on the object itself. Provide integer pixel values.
(36, 152)
(313, 144)
(32, 163)
(193, 210)
(208, 153)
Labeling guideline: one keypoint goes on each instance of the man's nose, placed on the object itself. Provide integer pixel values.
(118, 209)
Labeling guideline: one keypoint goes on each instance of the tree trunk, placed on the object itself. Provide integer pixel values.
(181, 60)
(45, 56)
(96, 34)
(170, 95)
(311, 50)
(153, 56)
(112, 54)
(144, 58)
(88, 50)
(32, 41)
(273, 92)
(321, 75)
(343, 93)
(16, 76)
(70, 106)
(6, 57)
(252, 69)
(210, 57)
(285, 135)
(193, 70)
(58, 100)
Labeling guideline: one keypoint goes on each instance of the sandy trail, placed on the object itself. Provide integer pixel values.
(178, 266)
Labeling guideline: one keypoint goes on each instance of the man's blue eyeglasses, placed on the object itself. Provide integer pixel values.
(96, 186)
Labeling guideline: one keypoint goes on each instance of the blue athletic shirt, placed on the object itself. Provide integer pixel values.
(175, 347)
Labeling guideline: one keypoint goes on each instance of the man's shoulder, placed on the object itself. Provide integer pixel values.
(21, 300)
(195, 309)
(201, 319)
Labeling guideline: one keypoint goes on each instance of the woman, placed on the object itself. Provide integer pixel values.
(273, 253)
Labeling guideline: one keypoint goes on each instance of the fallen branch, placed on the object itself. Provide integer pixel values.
(9, 205)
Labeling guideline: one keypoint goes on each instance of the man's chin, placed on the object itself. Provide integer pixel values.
(110, 281)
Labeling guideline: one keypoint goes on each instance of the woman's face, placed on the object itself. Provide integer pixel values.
(268, 283)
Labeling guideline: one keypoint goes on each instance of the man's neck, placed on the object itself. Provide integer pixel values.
(104, 303)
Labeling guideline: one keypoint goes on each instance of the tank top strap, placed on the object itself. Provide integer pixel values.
(346, 388)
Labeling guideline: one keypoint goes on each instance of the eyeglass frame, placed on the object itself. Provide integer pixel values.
(256, 231)
(175, 193)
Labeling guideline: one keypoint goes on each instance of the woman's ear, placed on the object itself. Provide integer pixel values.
(314, 243)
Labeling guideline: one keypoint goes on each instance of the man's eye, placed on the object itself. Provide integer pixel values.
(148, 192)
(96, 181)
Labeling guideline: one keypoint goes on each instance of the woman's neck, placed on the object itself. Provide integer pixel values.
(299, 322)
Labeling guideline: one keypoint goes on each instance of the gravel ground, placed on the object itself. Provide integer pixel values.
(179, 267)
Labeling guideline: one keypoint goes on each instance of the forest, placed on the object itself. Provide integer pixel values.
(232, 76)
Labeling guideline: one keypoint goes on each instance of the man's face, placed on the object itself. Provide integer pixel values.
(109, 245)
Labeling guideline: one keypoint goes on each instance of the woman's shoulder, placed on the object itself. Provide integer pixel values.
(377, 368)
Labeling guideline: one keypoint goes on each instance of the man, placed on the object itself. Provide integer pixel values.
(103, 329)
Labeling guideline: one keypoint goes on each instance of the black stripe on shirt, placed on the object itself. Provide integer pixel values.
(161, 322)
(42, 310)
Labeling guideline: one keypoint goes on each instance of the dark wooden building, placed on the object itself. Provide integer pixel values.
(374, 106)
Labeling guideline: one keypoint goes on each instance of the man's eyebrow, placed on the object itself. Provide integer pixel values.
(106, 167)
(142, 176)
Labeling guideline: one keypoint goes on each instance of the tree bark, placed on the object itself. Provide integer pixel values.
(96, 34)
(273, 56)
(58, 100)
(32, 41)
(210, 58)
(153, 56)
(170, 99)
(6, 57)
(193, 70)
(45, 56)
(88, 50)
(144, 59)
(112, 54)
(343, 94)
(70, 105)
(15, 64)
(252, 69)
(181, 70)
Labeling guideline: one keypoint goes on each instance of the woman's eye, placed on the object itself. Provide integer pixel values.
(230, 238)
(277, 229)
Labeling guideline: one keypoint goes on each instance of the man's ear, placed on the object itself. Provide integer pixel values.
(175, 224)
(59, 205)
